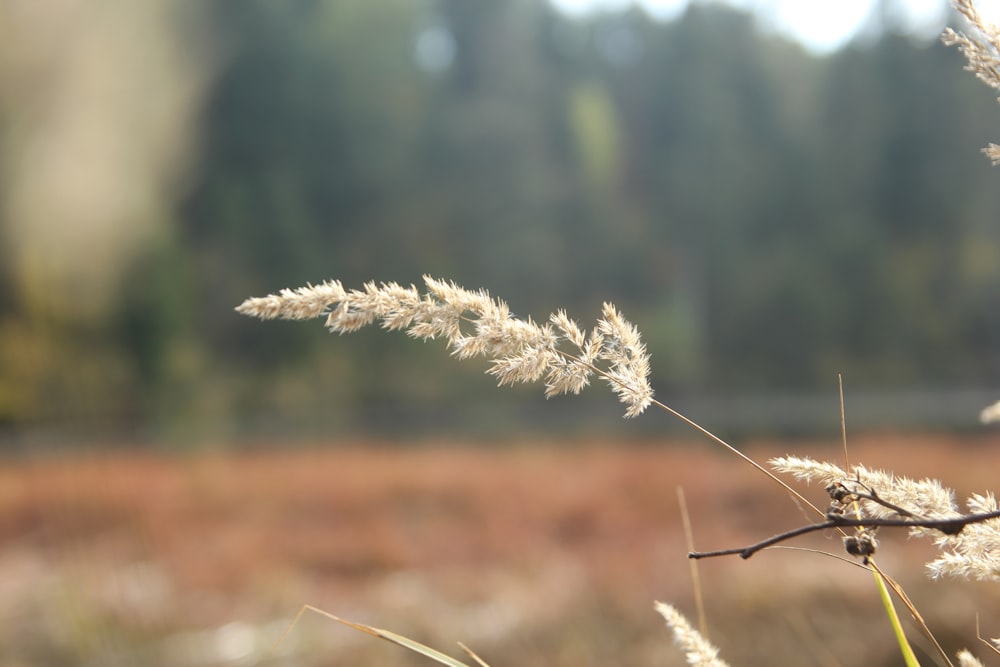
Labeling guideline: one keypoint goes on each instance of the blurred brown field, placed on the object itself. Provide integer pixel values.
(533, 553)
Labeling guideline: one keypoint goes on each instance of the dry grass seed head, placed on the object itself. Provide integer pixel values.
(698, 651)
(966, 659)
(521, 350)
(981, 49)
(970, 554)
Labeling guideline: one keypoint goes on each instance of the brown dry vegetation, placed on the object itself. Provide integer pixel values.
(533, 553)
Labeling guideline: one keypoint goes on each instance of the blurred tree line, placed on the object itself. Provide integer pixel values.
(766, 217)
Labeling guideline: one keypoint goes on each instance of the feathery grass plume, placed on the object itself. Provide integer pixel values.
(990, 413)
(926, 498)
(966, 659)
(971, 554)
(808, 470)
(698, 651)
(981, 49)
(476, 325)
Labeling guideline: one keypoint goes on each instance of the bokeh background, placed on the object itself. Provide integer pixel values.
(770, 214)
(767, 216)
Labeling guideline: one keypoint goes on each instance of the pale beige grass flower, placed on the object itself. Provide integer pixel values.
(476, 325)
(981, 48)
(698, 651)
(971, 554)
(990, 413)
(966, 659)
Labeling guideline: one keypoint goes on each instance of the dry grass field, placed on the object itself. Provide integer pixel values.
(535, 553)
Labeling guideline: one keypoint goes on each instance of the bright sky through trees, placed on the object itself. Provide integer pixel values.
(821, 25)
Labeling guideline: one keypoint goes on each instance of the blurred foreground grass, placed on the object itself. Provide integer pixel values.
(533, 554)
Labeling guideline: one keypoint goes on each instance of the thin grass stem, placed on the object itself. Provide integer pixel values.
(897, 628)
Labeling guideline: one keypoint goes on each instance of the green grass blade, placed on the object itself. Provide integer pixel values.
(890, 609)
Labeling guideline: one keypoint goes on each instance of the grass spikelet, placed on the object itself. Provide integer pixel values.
(966, 659)
(972, 554)
(808, 470)
(301, 304)
(981, 48)
(698, 651)
(477, 325)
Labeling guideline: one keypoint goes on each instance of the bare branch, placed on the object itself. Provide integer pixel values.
(950, 526)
